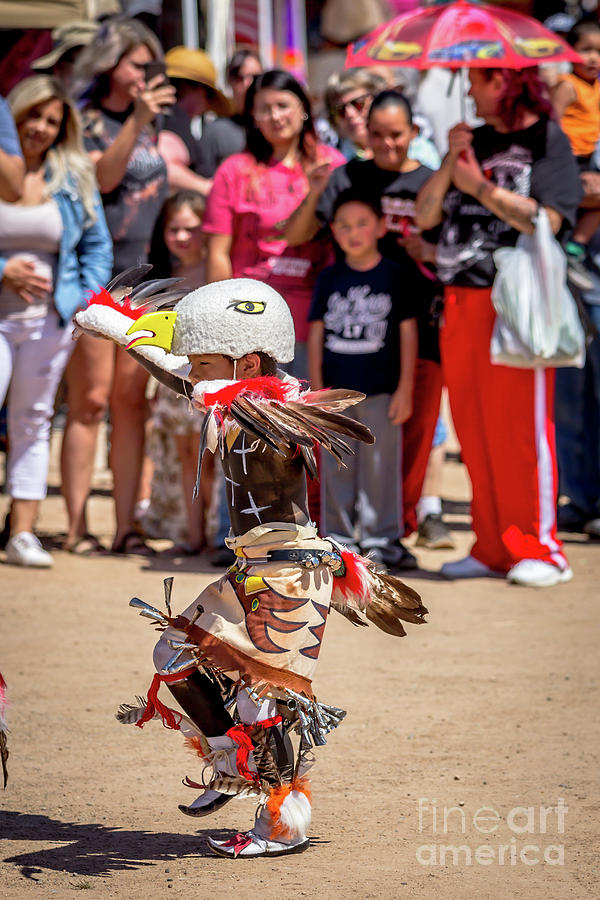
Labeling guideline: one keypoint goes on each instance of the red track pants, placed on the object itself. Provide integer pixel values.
(417, 437)
(504, 420)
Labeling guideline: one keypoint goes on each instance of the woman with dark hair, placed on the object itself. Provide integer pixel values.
(487, 192)
(121, 140)
(395, 178)
(224, 136)
(254, 194)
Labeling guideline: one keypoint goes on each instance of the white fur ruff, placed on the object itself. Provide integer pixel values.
(209, 387)
(295, 813)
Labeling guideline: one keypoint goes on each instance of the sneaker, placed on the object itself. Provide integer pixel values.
(252, 845)
(568, 518)
(535, 573)
(577, 273)
(468, 567)
(435, 534)
(394, 556)
(592, 527)
(223, 558)
(24, 549)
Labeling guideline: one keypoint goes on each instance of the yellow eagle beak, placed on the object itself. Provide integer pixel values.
(155, 329)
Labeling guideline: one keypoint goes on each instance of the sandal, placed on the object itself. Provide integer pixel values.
(86, 545)
(133, 544)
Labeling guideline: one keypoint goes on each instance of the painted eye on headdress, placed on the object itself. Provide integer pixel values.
(251, 307)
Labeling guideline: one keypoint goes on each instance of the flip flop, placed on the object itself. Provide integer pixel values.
(133, 544)
(86, 545)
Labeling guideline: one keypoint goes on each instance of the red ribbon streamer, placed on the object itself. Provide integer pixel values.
(240, 734)
(154, 705)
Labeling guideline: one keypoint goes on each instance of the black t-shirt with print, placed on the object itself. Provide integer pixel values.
(132, 208)
(397, 192)
(535, 162)
(361, 312)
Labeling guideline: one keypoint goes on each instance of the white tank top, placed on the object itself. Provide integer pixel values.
(32, 233)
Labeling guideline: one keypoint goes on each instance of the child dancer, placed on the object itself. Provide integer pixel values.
(240, 659)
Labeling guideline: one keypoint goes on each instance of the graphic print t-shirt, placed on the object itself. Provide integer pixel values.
(361, 312)
(133, 207)
(398, 191)
(535, 162)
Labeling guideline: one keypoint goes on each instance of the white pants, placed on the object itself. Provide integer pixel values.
(33, 357)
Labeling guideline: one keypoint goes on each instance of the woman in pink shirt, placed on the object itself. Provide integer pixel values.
(254, 194)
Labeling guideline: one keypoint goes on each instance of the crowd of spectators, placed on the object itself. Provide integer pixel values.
(118, 154)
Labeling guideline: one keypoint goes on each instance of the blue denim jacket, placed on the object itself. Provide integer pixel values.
(85, 255)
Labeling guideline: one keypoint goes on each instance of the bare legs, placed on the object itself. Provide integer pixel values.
(127, 404)
(23, 514)
(97, 374)
(88, 376)
(432, 486)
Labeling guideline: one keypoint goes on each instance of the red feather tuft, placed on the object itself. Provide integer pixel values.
(266, 387)
(194, 744)
(354, 581)
(104, 298)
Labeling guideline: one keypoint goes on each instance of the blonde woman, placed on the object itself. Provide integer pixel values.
(124, 98)
(54, 246)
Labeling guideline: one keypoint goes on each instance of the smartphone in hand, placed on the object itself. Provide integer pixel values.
(153, 68)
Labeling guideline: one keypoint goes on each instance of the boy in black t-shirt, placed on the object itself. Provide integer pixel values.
(363, 336)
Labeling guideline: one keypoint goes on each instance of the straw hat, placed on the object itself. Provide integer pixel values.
(64, 38)
(196, 65)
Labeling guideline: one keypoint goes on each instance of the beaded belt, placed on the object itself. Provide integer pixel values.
(308, 559)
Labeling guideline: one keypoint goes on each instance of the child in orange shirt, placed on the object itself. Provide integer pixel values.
(576, 100)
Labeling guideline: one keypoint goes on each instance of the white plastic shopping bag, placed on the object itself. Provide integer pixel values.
(537, 322)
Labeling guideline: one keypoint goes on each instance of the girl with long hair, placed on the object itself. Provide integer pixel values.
(54, 247)
(121, 106)
(179, 250)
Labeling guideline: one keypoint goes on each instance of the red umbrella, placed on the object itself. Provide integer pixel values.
(460, 34)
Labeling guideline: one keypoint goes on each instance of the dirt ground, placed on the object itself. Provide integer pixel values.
(467, 766)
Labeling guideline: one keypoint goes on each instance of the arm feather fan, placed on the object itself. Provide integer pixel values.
(278, 413)
(384, 600)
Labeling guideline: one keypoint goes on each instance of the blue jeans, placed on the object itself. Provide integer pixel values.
(577, 407)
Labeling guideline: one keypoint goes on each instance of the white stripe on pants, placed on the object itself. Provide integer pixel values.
(33, 356)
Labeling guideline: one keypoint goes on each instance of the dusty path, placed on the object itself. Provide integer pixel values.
(493, 704)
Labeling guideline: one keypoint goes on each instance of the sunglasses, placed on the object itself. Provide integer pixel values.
(358, 104)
